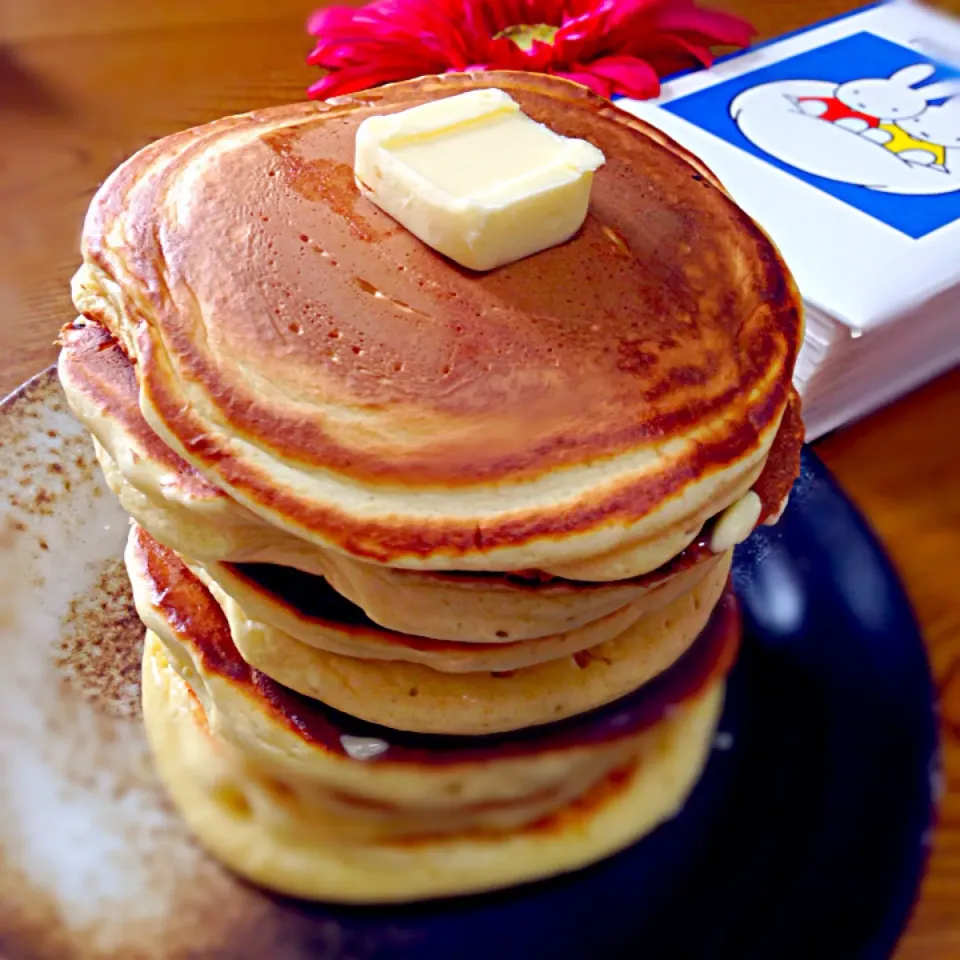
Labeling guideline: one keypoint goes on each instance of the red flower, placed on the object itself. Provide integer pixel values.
(610, 46)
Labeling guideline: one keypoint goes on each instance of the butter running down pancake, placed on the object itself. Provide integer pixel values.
(582, 412)
(167, 497)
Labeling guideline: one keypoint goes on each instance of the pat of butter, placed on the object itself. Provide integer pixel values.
(736, 523)
(475, 178)
(775, 518)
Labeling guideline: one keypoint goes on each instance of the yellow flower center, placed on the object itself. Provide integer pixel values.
(523, 34)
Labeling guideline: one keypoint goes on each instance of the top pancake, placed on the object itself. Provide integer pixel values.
(309, 355)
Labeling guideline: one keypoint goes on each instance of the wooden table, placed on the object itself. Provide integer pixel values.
(82, 85)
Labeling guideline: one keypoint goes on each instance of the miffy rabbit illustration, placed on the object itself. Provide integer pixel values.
(893, 130)
(895, 97)
(865, 105)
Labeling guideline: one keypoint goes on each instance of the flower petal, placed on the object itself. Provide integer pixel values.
(607, 45)
(598, 85)
(713, 26)
(352, 80)
(671, 52)
(628, 75)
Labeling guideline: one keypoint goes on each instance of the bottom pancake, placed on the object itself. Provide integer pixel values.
(241, 816)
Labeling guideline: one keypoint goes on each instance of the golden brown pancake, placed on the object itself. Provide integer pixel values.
(582, 411)
(415, 697)
(419, 697)
(300, 738)
(175, 505)
(281, 835)
(267, 599)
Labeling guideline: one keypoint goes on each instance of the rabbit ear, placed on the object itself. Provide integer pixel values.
(940, 90)
(908, 76)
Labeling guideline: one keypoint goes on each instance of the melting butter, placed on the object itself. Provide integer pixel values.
(363, 748)
(736, 523)
(475, 178)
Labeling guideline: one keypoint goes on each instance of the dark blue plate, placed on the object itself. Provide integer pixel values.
(806, 837)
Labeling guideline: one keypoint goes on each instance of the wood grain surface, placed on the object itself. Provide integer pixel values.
(84, 84)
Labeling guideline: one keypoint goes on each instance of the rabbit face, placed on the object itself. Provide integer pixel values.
(880, 98)
(894, 98)
(939, 125)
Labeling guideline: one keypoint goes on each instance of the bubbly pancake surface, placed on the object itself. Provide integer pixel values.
(292, 337)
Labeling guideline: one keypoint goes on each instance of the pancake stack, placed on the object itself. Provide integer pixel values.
(434, 565)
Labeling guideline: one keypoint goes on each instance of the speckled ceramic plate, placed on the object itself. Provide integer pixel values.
(804, 839)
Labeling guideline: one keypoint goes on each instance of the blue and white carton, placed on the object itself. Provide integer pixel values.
(843, 142)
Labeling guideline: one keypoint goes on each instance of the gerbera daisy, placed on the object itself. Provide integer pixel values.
(610, 46)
